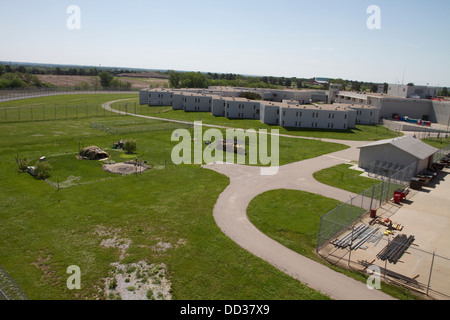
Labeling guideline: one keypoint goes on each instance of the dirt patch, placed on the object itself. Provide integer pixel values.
(138, 281)
(135, 281)
(43, 264)
(125, 168)
(113, 240)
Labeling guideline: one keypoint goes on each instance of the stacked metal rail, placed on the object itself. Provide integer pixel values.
(396, 248)
(356, 237)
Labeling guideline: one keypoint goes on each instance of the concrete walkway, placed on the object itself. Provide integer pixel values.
(246, 182)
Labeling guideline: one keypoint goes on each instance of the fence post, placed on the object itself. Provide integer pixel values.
(381, 194)
(431, 269)
(373, 193)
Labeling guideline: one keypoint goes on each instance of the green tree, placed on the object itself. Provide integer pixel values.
(105, 79)
(444, 92)
(129, 146)
(42, 170)
(174, 79)
(194, 80)
(2, 69)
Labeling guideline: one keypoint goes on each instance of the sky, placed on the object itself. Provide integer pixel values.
(290, 38)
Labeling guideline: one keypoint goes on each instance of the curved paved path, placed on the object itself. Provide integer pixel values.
(246, 182)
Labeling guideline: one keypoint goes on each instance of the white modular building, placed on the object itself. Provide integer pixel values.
(241, 108)
(317, 117)
(156, 97)
(193, 102)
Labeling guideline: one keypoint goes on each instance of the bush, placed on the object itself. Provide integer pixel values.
(129, 146)
(22, 164)
(42, 170)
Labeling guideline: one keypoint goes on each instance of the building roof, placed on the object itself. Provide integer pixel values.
(411, 145)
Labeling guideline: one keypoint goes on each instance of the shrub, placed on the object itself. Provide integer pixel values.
(129, 146)
(22, 164)
(42, 170)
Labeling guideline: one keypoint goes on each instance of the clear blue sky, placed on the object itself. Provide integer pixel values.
(292, 38)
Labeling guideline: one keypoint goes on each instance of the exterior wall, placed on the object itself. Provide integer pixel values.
(366, 115)
(197, 103)
(270, 114)
(177, 101)
(382, 153)
(314, 118)
(218, 107)
(160, 98)
(143, 97)
(440, 112)
(350, 99)
(420, 92)
(412, 108)
(238, 109)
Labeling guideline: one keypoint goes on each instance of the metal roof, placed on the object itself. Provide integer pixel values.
(409, 144)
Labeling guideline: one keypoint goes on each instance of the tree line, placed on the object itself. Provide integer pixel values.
(204, 80)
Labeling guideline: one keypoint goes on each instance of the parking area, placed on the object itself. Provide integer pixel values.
(424, 264)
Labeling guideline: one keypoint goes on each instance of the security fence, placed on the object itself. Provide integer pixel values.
(441, 154)
(24, 93)
(9, 289)
(49, 112)
(394, 172)
(138, 125)
(342, 217)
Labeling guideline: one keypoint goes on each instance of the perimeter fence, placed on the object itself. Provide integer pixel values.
(9, 289)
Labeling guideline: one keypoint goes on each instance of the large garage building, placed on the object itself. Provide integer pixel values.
(400, 153)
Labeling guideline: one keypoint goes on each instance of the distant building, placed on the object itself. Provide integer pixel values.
(412, 92)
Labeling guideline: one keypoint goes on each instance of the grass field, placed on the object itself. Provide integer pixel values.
(360, 133)
(343, 177)
(59, 107)
(45, 230)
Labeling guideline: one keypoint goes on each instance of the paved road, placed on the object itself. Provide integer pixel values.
(246, 182)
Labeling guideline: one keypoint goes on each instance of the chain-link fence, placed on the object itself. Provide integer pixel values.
(24, 93)
(68, 112)
(441, 154)
(9, 289)
(342, 217)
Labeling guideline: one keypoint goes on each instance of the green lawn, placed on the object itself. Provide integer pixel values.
(59, 107)
(343, 177)
(45, 230)
(438, 143)
(360, 133)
